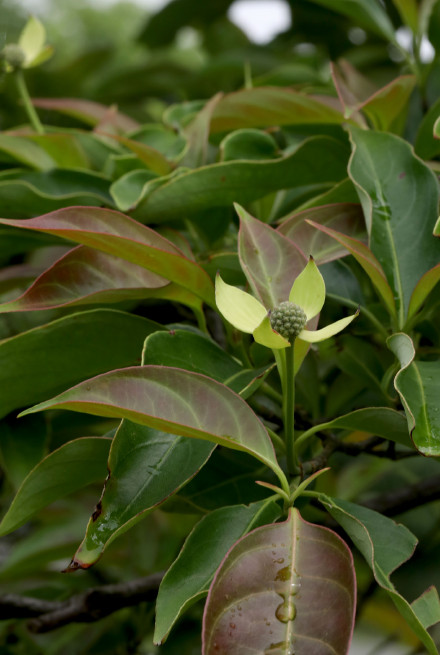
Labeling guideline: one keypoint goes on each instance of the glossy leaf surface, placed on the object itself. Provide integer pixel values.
(282, 589)
(367, 13)
(124, 237)
(342, 217)
(152, 158)
(373, 534)
(200, 354)
(316, 162)
(385, 108)
(269, 260)
(26, 152)
(84, 276)
(37, 363)
(422, 290)
(189, 577)
(367, 260)
(70, 467)
(418, 384)
(26, 194)
(399, 195)
(173, 400)
(380, 421)
(145, 466)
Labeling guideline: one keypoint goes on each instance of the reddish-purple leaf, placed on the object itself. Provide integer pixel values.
(84, 276)
(345, 217)
(384, 107)
(175, 401)
(284, 589)
(367, 260)
(422, 290)
(270, 261)
(88, 111)
(262, 106)
(116, 234)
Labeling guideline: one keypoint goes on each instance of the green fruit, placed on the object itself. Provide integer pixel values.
(288, 320)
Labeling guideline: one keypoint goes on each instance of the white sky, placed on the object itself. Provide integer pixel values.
(261, 20)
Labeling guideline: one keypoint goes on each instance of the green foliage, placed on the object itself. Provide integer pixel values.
(159, 202)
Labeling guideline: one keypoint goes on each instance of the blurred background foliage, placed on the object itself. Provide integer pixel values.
(191, 50)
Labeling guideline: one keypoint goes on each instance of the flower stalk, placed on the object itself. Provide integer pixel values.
(29, 107)
(289, 412)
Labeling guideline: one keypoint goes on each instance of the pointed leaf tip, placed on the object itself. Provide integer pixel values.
(308, 290)
(239, 308)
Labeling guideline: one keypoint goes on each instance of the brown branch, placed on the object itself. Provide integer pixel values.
(367, 447)
(89, 606)
(407, 497)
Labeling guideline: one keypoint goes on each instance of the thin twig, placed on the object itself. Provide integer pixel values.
(86, 607)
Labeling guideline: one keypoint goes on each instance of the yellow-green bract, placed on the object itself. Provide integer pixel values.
(247, 314)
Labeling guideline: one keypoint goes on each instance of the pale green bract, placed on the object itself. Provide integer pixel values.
(31, 49)
(248, 314)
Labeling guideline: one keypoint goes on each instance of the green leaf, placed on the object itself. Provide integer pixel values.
(127, 188)
(189, 577)
(366, 13)
(368, 262)
(386, 108)
(427, 607)
(66, 150)
(197, 135)
(145, 466)
(70, 467)
(422, 290)
(24, 194)
(192, 352)
(341, 217)
(262, 593)
(22, 446)
(341, 192)
(266, 106)
(25, 151)
(385, 546)
(84, 276)
(427, 145)
(379, 421)
(361, 360)
(399, 196)
(173, 400)
(42, 361)
(409, 13)
(228, 478)
(316, 161)
(248, 144)
(199, 354)
(269, 260)
(418, 385)
(124, 237)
